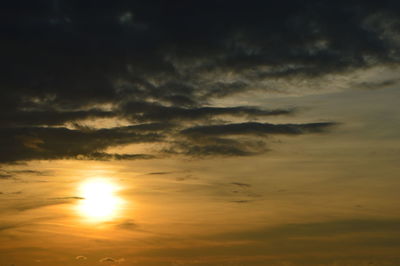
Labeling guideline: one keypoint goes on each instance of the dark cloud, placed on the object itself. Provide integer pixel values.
(102, 156)
(50, 117)
(243, 185)
(210, 146)
(252, 128)
(159, 173)
(378, 84)
(241, 201)
(60, 143)
(167, 61)
(239, 139)
(155, 112)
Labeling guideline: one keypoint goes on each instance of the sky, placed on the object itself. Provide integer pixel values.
(205, 133)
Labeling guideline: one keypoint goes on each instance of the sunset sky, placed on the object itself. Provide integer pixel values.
(204, 132)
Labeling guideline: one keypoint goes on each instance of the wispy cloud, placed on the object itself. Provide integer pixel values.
(30, 204)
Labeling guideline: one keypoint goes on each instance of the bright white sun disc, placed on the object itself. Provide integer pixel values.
(99, 199)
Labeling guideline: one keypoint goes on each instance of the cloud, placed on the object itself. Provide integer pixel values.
(28, 172)
(61, 143)
(253, 128)
(170, 64)
(312, 240)
(128, 225)
(29, 143)
(102, 156)
(159, 173)
(238, 139)
(15, 174)
(312, 230)
(31, 204)
(241, 201)
(51, 117)
(5, 176)
(6, 226)
(175, 63)
(242, 185)
(111, 260)
(141, 111)
(107, 259)
(68, 198)
(210, 146)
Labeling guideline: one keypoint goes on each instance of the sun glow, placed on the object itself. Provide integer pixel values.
(100, 201)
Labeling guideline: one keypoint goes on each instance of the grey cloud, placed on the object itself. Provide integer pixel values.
(238, 139)
(50, 117)
(253, 128)
(159, 173)
(155, 112)
(378, 85)
(102, 156)
(203, 147)
(241, 184)
(241, 201)
(59, 143)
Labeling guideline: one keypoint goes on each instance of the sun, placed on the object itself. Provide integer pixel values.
(100, 201)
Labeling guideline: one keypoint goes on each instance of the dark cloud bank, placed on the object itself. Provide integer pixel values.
(159, 65)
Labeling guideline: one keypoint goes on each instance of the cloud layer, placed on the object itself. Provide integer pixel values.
(159, 65)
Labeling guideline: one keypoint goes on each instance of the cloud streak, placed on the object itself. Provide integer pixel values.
(252, 128)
